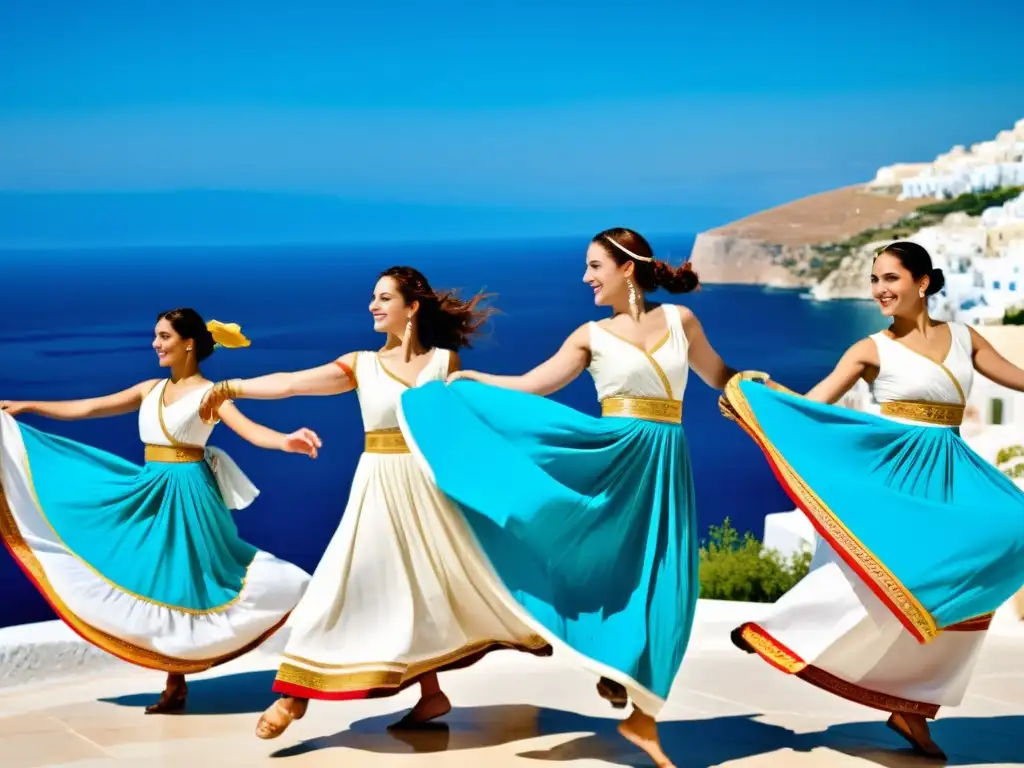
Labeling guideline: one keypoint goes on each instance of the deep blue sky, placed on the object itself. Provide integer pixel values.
(465, 119)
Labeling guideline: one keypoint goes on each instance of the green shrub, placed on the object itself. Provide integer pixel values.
(1013, 316)
(1007, 455)
(972, 203)
(740, 568)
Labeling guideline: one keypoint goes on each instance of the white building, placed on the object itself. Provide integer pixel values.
(985, 165)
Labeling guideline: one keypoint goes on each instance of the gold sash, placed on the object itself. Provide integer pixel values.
(941, 414)
(175, 454)
(649, 408)
(385, 441)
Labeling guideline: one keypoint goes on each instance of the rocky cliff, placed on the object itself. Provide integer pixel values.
(787, 246)
(851, 279)
(728, 259)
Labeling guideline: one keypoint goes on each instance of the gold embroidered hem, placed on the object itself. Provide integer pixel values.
(385, 441)
(115, 646)
(175, 454)
(939, 414)
(783, 659)
(875, 575)
(383, 678)
(647, 408)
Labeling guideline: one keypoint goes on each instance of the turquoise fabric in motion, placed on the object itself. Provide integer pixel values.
(588, 522)
(160, 531)
(934, 529)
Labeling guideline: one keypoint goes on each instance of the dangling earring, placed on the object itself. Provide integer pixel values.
(188, 349)
(634, 308)
(407, 340)
(921, 293)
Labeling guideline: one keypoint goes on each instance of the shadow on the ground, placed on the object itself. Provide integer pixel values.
(705, 742)
(242, 693)
(711, 741)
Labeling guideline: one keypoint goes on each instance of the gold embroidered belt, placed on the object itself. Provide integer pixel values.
(175, 454)
(941, 414)
(385, 441)
(649, 408)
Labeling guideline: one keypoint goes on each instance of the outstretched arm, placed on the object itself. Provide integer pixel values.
(703, 358)
(550, 376)
(857, 361)
(301, 441)
(990, 364)
(125, 401)
(330, 379)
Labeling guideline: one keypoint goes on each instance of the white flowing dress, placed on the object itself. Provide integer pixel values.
(402, 590)
(832, 630)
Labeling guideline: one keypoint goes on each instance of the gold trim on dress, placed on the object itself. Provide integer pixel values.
(386, 441)
(342, 678)
(870, 568)
(399, 379)
(648, 408)
(940, 414)
(942, 365)
(780, 657)
(122, 649)
(649, 354)
(175, 454)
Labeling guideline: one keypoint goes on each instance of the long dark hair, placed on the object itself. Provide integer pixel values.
(443, 320)
(188, 324)
(649, 275)
(918, 262)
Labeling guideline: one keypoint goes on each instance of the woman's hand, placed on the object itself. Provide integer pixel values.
(304, 441)
(14, 407)
(467, 375)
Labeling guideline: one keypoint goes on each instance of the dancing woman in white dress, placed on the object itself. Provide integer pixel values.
(146, 562)
(589, 523)
(400, 594)
(920, 538)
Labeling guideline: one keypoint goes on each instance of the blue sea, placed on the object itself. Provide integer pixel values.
(79, 324)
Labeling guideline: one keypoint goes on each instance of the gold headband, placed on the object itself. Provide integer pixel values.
(626, 250)
(228, 335)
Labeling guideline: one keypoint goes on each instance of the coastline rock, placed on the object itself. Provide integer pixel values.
(851, 279)
(780, 246)
(728, 259)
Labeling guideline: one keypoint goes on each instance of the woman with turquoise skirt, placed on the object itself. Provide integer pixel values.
(920, 540)
(588, 523)
(146, 562)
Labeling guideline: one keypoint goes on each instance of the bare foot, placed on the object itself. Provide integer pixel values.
(640, 730)
(173, 698)
(279, 715)
(428, 708)
(914, 728)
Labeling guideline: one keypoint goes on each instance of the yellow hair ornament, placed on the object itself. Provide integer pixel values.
(227, 335)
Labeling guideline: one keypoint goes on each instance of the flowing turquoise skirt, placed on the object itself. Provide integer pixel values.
(932, 528)
(589, 523)
(145, 562)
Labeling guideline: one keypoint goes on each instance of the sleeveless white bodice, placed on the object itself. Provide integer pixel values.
(907, 375)
(179, 424)
(621, 369)
(380, 390)
(175, 424)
